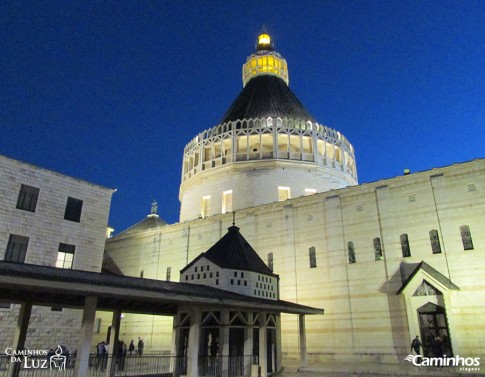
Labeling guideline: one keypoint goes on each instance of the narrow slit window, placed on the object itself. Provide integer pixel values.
(205, 206)
(351, 252)
(312, 256)
(435, 241)
(227, 201)
(466, 237)
(270, 261)
(406, 251)
(378, 248)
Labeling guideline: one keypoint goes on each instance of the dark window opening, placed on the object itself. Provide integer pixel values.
(27, 199)
(270, 261)
(313, 257)
(406, 251)
(377, 248)
(16, 248)
(73, 210)
(466, 237)
(435, 241)
(351, 252)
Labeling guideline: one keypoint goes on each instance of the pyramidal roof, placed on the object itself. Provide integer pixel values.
(232, 251)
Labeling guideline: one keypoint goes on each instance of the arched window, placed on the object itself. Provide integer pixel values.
(435, 241)
(466, 237)
(270, 261)
(377, 248)
(313, 257)
(351, 251)
(406, 251)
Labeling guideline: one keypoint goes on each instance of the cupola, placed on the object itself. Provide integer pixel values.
(265, 61)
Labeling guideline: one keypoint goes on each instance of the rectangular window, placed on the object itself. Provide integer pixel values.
(16, 248)
(466, 237)
(351, 251)
(270, 261)
(97, 325)
(406, 251)
(27, 199)
(310, 192)
(73, 210)
(205, 206)
(4, 305)
(435, 241)
(377, 248)
(283, 193)
(65, 256)
(169, 273)
(227, 201)
(313, 257)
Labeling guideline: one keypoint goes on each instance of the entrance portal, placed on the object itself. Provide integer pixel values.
(434, 331)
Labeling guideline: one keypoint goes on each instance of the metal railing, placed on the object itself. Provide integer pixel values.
(226, 366)
(106, 365)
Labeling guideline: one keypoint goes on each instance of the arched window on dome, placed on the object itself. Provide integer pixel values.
(205, 206)
(227, 201)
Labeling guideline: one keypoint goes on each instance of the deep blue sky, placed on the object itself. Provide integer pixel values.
(111, 91)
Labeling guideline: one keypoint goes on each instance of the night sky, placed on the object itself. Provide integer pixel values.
(111, 91)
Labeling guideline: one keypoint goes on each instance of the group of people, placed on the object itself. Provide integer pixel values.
(102, 352)
(437, 348)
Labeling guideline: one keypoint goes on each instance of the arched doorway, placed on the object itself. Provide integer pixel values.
(434, 331)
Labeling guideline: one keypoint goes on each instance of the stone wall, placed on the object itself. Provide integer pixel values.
(365, 318)
(46, 229)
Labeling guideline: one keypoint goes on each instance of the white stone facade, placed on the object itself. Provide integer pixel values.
(40, 219)
(253, 158)
(247, 283)
(366, 319)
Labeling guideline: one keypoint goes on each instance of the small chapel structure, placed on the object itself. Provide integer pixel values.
(243, 340)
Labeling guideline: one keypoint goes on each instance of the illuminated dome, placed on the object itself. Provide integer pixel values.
(266, 148)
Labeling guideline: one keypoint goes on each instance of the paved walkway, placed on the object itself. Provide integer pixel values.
(341, 369)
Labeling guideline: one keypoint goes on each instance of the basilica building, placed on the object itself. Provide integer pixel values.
(388, 260)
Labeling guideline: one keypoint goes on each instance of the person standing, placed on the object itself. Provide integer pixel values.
(141, 345)
(416, 345)
(131, 348)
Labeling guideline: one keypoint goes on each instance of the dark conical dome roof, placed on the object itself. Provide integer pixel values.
(232, 251)
(266, 96)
